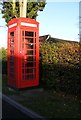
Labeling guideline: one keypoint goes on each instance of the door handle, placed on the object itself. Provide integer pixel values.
(20, 52)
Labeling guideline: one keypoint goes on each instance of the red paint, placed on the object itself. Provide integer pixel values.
(23, 53)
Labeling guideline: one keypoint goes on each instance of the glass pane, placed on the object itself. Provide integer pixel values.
(29, 77)
(31, 52)
(30, 64)
(12, 34)
(22, 58)
(22, 64)
(35, 40)
(23, 39)
(32, 70)
(12, 70)
(22, 45)
(12, 40)
(31, 58)
(27, 33)
(11, 63)
(12, 75)
(11, 52)
(22, 33)
(23, 71)
(35, 34)
(11, 57)
(12, 46)
(23, 77)
(29, 40)
(31, 46)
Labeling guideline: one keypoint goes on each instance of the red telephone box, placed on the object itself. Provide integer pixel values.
(23, 53)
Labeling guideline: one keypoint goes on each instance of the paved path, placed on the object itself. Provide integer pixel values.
(11, 113)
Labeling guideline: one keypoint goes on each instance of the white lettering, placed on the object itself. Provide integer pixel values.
(15, 24)
(28, 24)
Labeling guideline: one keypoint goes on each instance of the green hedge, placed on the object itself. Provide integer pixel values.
(60, 52)
(59, 66)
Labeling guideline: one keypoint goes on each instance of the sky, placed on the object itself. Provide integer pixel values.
(59, 19)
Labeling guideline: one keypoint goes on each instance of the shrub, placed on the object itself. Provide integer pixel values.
(60, 69)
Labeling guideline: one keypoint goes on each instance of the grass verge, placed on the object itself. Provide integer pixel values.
(46, 103)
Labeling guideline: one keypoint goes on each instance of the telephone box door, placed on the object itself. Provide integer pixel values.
(30, 53)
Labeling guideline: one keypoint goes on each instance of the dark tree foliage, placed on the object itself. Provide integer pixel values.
(32, 9)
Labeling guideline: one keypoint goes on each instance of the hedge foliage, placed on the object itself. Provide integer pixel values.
(59, 66)
(60, 52)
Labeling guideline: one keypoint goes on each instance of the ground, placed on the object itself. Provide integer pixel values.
(46, 103)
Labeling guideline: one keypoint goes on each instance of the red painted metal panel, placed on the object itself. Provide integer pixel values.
(23, 53)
